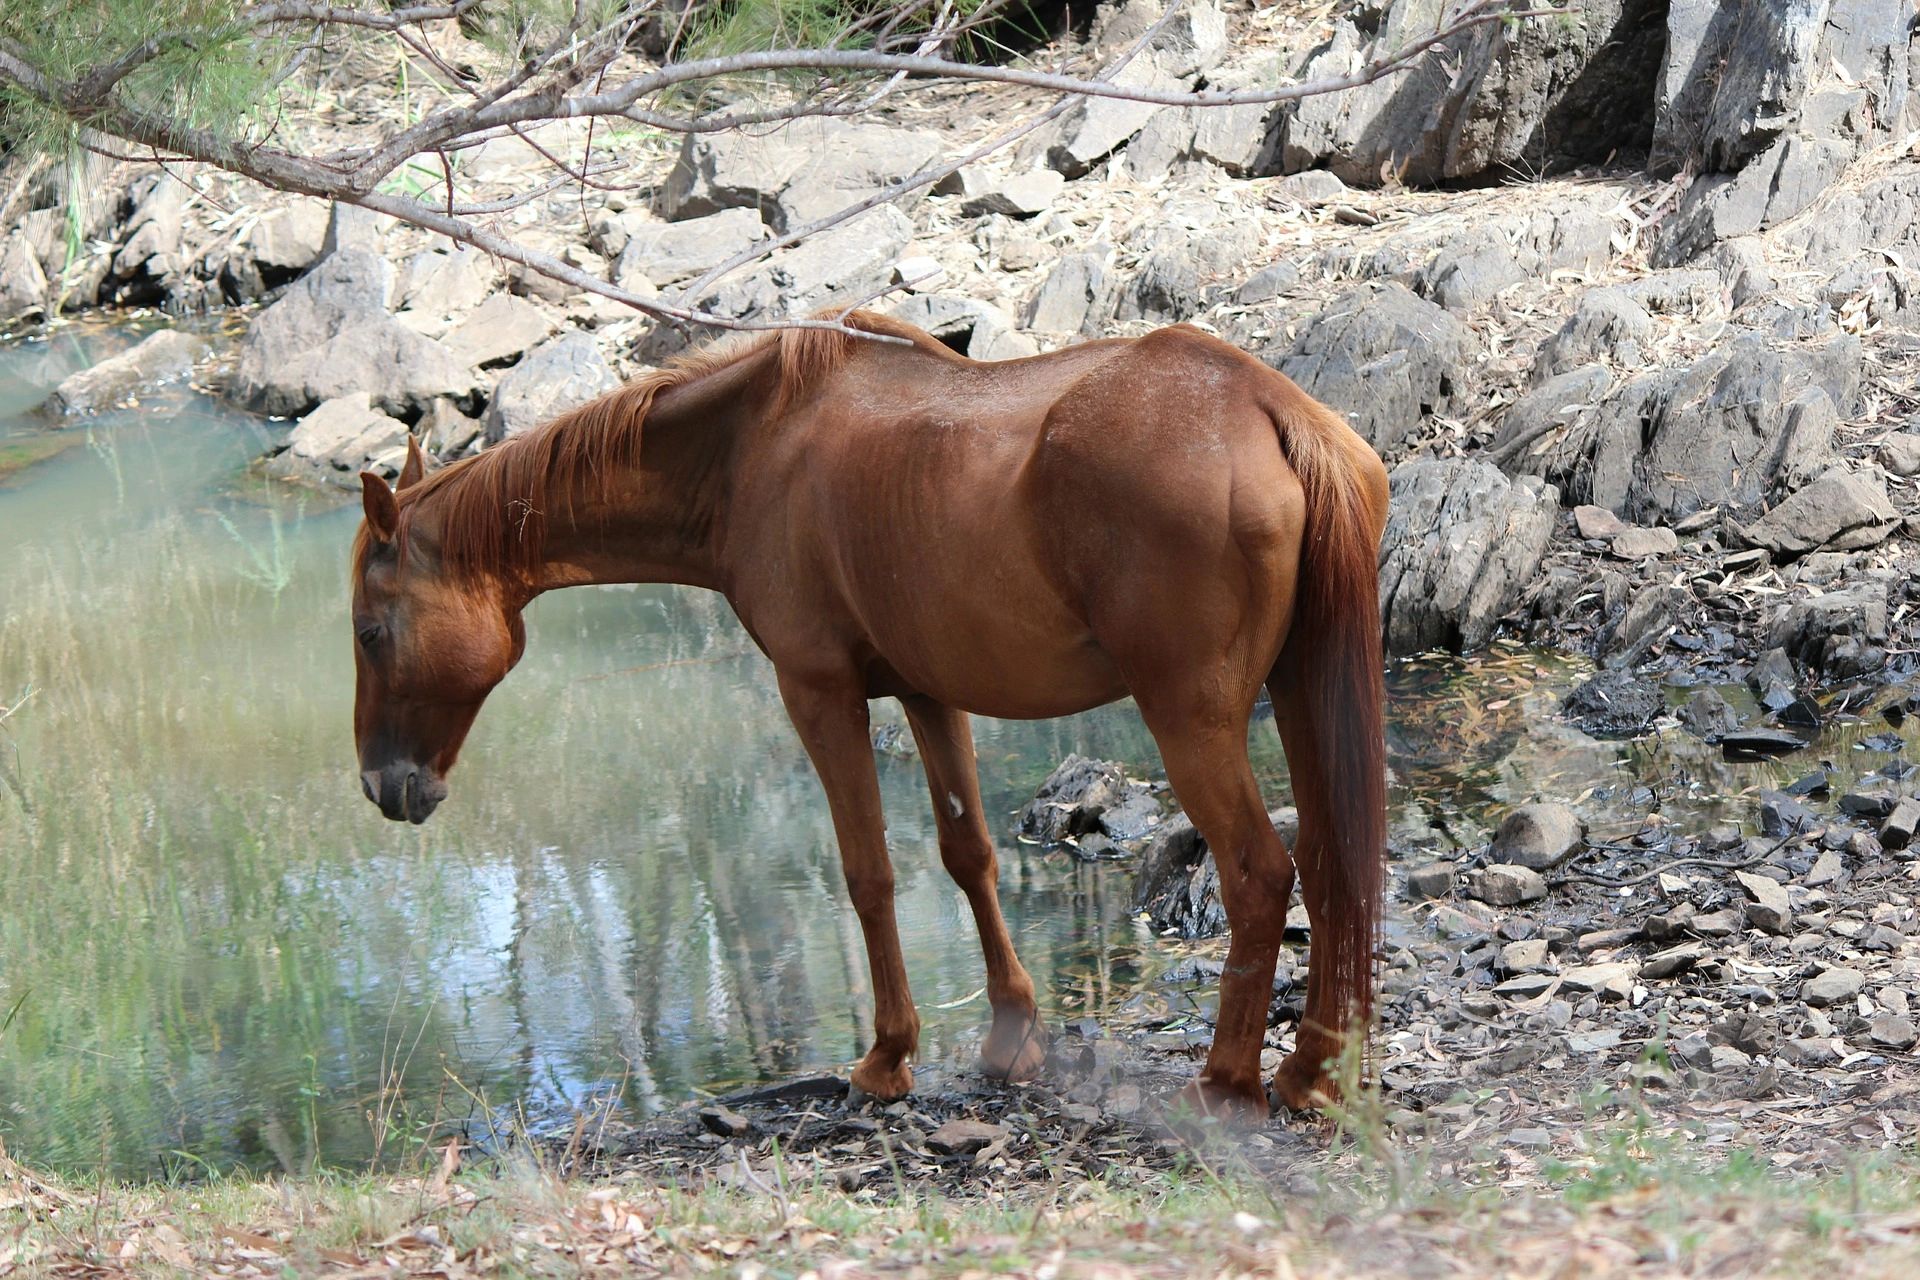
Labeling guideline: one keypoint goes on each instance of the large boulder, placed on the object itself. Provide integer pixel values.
(1841, 634)
(159, 358)
(499, 331)
(1462, 544)
(1078, 295)
(666, 253)
(554, 377)
(1382, 356)
(23, 284)
(797, 173)
(1178, 883)
(330, 335)
(1521, 97)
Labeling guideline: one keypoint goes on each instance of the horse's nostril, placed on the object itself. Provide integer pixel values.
(370, 783)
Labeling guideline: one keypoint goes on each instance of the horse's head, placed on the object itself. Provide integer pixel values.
(428, 646)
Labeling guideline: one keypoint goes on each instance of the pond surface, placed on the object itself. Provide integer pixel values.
(215, 953)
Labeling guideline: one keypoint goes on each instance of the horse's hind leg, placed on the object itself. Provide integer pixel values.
(831, 716)
(1017, 1045)
(1204, 748)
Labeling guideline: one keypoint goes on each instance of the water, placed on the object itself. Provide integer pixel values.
(215, 953)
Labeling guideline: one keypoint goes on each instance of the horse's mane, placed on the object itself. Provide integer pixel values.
(492, 509)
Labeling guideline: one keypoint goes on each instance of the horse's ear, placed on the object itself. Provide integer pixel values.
(416, 464)
(383, 511)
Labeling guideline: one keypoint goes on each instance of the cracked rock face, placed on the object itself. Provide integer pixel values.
(1462, 543)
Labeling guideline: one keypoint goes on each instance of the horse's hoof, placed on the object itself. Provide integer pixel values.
(1236, 1106)
(1303, 1085)
(1016, 1054)
(888, 1084)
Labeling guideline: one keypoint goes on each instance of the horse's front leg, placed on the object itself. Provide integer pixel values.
(831, 716)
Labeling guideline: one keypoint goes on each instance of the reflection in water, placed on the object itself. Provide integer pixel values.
(215, 950)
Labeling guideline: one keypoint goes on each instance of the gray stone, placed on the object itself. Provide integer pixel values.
(1598, 522)
(1430, 881)
(1841, 633)
(1546, 432)
(554, 377)
(351, 227)
(1832, 986)
(23, 284)
(1674, 961)
(666, 253)
(341, 438)
(1613, 704)
(330, 335)
(982, 330)
(1078, 798)
(158, 358)
(797, 173)
(1541, 95)
(1636, 543)
(1526, 956)
(154, 234)
(1610, 981)
(1709, 716)
(1768, 908)
(1602, 320)
(1462, 545)
(1473, 265)
(502, 329)
(1094, 128)
(1538, 836)
(1076, 297)
(1269, 282)
(1898, 830)
(849, 263)
(1893, 1031)
(1769, 191)
(446, 283)
(1900, 453)
(1503, 885)
(1021, 196)
(289, 240)
(963, 1137)
(1841, 511)
(1383, 357)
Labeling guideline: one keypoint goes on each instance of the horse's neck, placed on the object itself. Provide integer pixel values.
(656, 522)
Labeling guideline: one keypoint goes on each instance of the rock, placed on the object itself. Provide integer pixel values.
(1769, 191)
(1613, 704)
(159, 358)
(848, 263)
(1759, 744)
(1842, 633)
(725, 1121)
(979, 329)
(1898, 830)
(1310, 187)
(560, 374)
(340, 439)
(288, 240)
(1527, 956)
(667, 253)
(501, 330)
(1083, 796)
(1076, 297)
(330, 335)
(1826, 869)
(1603, 322)
(23, 284)
(1094, 128)
(1782, 815)
(963, 1137)
(1178, 885)
(1538, 836)
(1708, 716)
(1611, 981)
(1767, 909)
(1832, 986)
(1023, 195)
(351, 227)
(1893, 1030)
(1462, 545)
(447, 283)
(1842, 511)
(1431, 881)
(1541, 95)
(1267, 283)
(1599, 523)
(795, 174)
(1502, 885)
(1674, 961)
(1900, 453)
(150, 254)
(1635, 543)
(1381, 356)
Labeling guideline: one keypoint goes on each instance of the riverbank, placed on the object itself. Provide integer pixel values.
(1629, 1209)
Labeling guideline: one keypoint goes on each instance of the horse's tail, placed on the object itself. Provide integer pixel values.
(1329, 699)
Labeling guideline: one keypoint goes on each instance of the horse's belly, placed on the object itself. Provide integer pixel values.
(1005, 671)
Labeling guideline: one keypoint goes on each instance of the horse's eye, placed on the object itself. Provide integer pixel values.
(369, 635)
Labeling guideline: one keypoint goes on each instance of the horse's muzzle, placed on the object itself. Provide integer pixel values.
(404, 792)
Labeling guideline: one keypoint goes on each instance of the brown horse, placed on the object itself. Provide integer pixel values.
(1161, 516)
